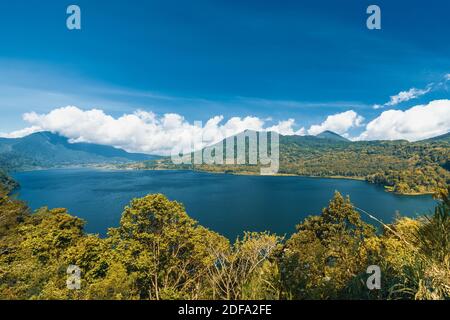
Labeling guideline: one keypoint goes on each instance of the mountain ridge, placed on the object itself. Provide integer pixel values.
(443, 137)
(401, 166)
(46, 149)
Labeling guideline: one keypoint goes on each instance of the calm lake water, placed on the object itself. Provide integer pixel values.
(227, 204)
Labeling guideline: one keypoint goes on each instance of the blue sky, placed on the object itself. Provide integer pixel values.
(304, 60)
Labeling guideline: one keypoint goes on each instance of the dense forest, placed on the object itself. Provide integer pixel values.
(400, 166)
(159, 252)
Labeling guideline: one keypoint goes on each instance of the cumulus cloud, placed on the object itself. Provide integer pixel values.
(146, 132)
(447, 77)
(287, 128)
(417, 123)
(143, 131)
(21, 133)
(339, 123)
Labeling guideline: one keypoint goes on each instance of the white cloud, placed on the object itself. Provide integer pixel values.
(287, 128)
(339, 123)
(417, 123)
(403, 96)
(413, 93)
(21, 133)
(142, 131)
(146, 132)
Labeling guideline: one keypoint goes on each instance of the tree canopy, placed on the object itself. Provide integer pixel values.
(159, 252)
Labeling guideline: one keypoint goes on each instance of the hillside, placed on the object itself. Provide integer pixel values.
(400, 166)
(442, 138)
(7, 183)
(45, 149)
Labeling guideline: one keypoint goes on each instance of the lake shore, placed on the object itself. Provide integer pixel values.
(237, 173)
(252, 173)
(225, 203)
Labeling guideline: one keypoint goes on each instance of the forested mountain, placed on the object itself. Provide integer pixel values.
(444, 137)
(45, 149)
(403, 167)
(159, 252)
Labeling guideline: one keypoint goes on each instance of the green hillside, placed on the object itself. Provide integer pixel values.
(441, 138)
(45, 149)
(401, 166)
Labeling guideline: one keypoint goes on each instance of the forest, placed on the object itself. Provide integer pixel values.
(400, 166)
(159, 252)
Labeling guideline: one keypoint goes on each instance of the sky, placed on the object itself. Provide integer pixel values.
(139, 74)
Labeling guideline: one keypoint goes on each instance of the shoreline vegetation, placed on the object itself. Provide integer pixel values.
(119, 167)
(253, 173)
(245, 173)
(402, 167)
(159, 252)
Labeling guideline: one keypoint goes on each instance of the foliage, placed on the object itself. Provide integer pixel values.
(7, 183)
(159, 252)
(400, 166)
(242, 268)
(326, 253)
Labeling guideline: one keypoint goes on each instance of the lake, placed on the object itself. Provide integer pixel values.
(228, 204)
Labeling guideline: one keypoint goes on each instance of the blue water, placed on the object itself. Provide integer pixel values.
(227, 204)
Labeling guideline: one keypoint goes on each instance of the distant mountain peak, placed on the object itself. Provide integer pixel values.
(47, 149)
(327, 134)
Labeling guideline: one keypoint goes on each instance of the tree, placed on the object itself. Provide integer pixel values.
(245, 270)
(32, 263)
(164, 249)
(12, 212)
(326, 253)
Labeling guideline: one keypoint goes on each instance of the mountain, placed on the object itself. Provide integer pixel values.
(442, 138)
(45, 149)
(331, 136)
(401, 166)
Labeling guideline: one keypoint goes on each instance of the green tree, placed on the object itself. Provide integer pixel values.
(164, 249)
(246, 270)
(326, 253)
